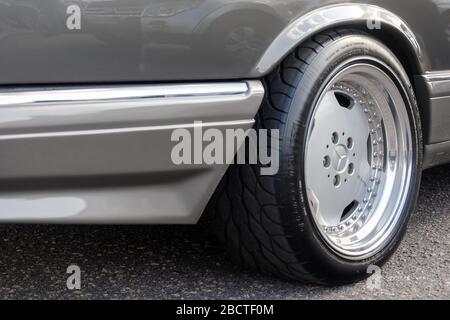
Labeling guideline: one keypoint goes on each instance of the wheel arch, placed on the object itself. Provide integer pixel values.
(393, 31)
(392, 28)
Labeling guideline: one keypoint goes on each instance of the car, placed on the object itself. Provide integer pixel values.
(298, 130)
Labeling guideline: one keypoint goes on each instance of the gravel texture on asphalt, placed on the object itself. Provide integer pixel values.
(185, 262)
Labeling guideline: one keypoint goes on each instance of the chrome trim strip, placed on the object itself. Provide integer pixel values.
(107, 94)
(433, 91)
(437, 76)
(328, 17)
(46, 110)
(437, 83)
(125, 130)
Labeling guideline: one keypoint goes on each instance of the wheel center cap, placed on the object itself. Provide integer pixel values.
(340, 158)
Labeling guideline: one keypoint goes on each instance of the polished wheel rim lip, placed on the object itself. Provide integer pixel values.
(358, 159)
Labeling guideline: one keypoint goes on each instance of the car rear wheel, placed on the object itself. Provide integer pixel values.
(350, 165)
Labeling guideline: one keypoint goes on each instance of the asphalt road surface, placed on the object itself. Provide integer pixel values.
(185, 262)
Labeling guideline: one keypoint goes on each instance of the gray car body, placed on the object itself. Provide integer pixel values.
(125, 40)
(168, 42)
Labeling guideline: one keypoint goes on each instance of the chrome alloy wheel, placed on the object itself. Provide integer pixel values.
(358, 160)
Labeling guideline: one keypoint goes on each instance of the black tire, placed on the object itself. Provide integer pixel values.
(263, 221)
